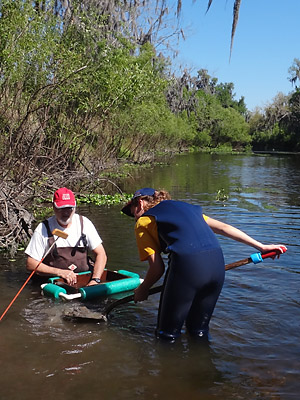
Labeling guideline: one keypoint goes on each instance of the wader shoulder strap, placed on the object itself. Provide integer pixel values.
(46, 223)
(50, 237)
(82, 237)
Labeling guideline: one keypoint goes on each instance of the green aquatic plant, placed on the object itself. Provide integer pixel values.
(221, 195)
(104, 199)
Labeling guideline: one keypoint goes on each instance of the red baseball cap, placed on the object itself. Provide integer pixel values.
(63, 198)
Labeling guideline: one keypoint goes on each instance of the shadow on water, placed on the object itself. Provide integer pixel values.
(254, 351)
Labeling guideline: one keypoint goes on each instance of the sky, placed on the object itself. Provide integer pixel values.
(266, 42)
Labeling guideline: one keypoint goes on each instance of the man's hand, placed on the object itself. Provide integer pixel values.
(68, 276)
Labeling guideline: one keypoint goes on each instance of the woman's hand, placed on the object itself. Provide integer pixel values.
(141, 293)
(265, 248)
(155, 271)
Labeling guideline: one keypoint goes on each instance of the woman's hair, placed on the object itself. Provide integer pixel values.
(152, 201)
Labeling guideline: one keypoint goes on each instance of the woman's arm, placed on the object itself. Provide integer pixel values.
(240, 236)
(155, 271)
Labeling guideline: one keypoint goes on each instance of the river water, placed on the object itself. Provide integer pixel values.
(254, 351)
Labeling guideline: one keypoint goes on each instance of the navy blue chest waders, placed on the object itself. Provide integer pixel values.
(196, 270)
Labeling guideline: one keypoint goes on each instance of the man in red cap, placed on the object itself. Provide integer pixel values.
(69, 255)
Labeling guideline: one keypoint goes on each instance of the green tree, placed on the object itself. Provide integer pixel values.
(225, 94)
(276, 127)
(224, 125)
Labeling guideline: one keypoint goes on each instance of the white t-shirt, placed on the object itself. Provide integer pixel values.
(38, 244)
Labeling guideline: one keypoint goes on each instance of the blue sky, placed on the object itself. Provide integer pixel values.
(267, 40)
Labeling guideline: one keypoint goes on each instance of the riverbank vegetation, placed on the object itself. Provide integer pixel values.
(86, 86)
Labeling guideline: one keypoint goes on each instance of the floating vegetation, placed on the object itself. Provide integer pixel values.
(221, 195)
(104, 199)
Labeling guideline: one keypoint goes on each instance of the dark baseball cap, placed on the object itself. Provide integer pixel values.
(141, 192)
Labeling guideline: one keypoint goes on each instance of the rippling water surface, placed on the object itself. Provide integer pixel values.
(254, 352)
